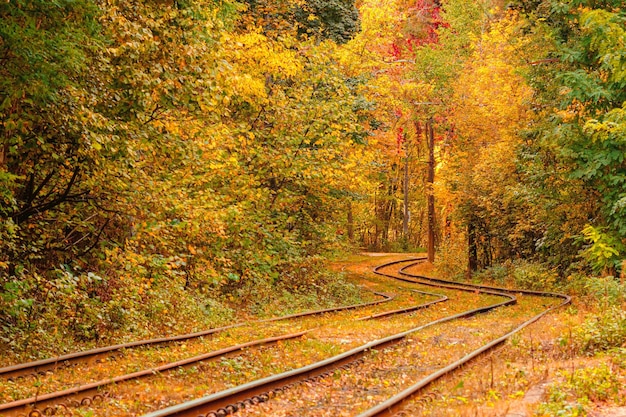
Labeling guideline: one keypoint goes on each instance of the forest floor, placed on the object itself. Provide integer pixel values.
(533, 374)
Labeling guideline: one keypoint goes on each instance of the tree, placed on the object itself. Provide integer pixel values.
(49, 132)
(438, 59)
(337, 20)
(480, 168)
(579, 80)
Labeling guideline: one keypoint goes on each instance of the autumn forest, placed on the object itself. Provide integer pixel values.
(168, 166)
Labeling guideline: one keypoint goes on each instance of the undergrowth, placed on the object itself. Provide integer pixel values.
(596, 292)
(601, 331)
(602, 298)
(306, 289)
(79, 311)
(574, 392)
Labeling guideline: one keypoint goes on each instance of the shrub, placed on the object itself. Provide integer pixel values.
(602, 331)
(521, 274)
(576, 390)
(451, 258)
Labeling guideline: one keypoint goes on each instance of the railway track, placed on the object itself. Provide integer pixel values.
(88, 393)
(393, 404)
(55, 402)
(85, 394)
(239, 398)
(252, 395)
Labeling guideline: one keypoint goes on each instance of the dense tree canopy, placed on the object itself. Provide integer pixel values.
(156, 151)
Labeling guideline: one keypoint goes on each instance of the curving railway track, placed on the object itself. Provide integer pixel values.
(407, 340)
(393, 404)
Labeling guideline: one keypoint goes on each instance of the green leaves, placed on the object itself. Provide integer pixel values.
(607, 37)
(604, 249)
(47, 45)
(330, 19)
(580, 127)
(584, 87)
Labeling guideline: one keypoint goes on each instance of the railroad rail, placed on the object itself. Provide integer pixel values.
(229, 401)
(85, 394)
(394, 404)
(49, 404)
(440, 299)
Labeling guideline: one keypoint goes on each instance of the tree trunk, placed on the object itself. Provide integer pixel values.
(350, 223)
(376, 217)
(472, 251)
(430, 191)
(405, 221)
(3, 155)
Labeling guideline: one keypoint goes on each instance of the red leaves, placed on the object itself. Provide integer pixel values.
(396, 51)
(428, 15)
(400, 137)
(432, 15)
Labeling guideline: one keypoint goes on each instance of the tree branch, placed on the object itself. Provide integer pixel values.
(45, 181)
(27, 212)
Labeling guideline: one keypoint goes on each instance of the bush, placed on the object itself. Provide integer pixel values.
(521, 274)
(303, 287)
(606, 291)
(451, 258)
(572, 395)
(601, 332)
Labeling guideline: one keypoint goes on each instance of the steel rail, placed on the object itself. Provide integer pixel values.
(229, 401)
(40, 366)
(441, 298)
(387, 298)
(393, 404)
(43, 365)
(436, 282)
(40, 401)
(402, 271)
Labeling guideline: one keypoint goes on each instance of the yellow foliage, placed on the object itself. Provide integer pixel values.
(251, 58)
(490, 108)
(490, 94)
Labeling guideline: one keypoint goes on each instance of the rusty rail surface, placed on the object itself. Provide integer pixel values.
(229, 401)
(440, 298)
(44, 404)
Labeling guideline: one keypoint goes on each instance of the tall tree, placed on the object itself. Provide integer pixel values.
(438, 59)
(480, 170)
(337, 20)
(579, 78)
